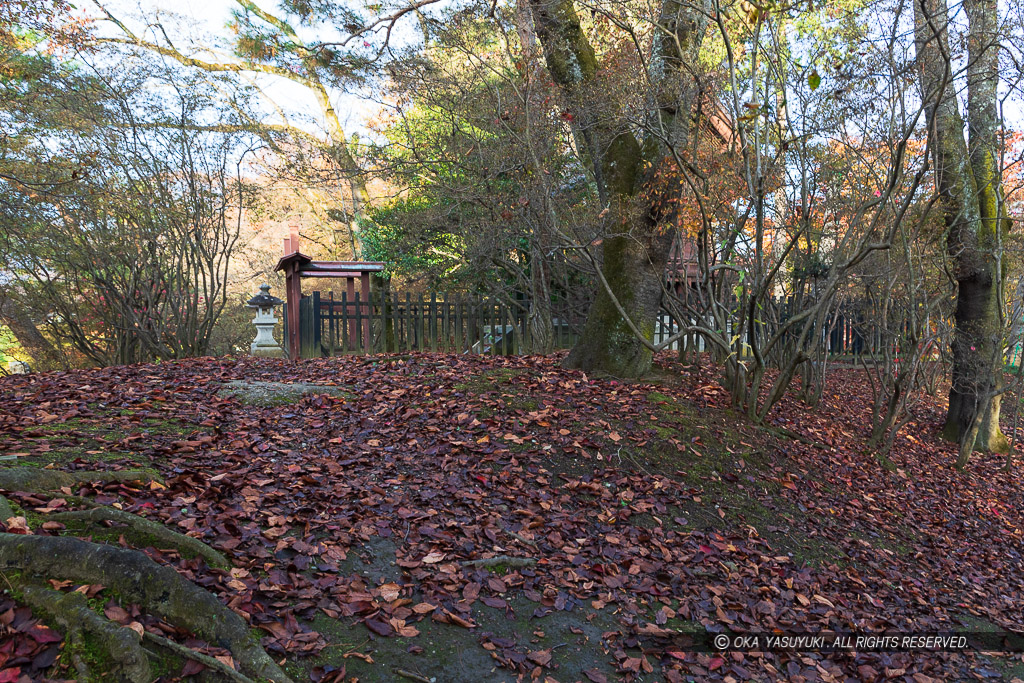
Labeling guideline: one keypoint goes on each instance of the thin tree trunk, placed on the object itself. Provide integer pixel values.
(542, 338)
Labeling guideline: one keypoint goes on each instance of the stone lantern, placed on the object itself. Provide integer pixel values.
(264, 344)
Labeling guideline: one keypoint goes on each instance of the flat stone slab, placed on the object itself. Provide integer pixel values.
(258, 393)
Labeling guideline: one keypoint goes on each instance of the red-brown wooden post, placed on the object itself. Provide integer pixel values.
(293, 290)
(353, 331)
(364, 287)
(296, 265)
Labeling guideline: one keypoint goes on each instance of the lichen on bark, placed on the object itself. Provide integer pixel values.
(633, 256)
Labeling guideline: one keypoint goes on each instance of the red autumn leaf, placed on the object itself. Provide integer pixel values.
(192, 668)
(43, 634)
(464, 468)
(381, 628)
(118, 614)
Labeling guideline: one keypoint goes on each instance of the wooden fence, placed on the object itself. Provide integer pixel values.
(392, 322)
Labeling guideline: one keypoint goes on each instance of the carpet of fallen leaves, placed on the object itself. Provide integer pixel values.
(444, 457)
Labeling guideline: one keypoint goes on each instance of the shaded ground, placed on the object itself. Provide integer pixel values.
(459, 518)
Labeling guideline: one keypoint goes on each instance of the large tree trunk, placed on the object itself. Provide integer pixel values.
(633, 261)
(633, 271)
(967, 181)
(976, 378)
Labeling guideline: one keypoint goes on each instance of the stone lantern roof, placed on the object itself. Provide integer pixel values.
(264, 299)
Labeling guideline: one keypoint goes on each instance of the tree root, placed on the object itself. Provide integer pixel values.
(205, 660)
(797, 436)
(505, 560)
(71, 613)
(6, 511)
(159, 590)
(32, 479)
(143, 527)
(520, 538)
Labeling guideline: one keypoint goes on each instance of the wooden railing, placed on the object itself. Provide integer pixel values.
(391, 322)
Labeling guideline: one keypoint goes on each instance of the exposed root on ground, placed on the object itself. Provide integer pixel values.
(205, 660)
(501, 560)
(72, 614)
(6, 511)
(28, 560)
(159, 590)
(145, 530)
(31, 479)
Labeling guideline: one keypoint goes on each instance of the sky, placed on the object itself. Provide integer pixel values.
(210, 17)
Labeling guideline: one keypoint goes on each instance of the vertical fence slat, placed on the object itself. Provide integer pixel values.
(330, 322)
(408, 321)
(432, 322)
(445, 324)
(506, 322)
(421, 336)
(460, 327)
(559, 334)
(316, 346)
(396, 326)
(343, 322)
(394, 340)
(358, 342)
(490, 325)
(383, 345)
(522, 329)
(479, 307)
(376, 314)
(368, 322)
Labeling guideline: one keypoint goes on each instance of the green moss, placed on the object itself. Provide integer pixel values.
(885, 462)
(274, 394)
(164, 664)
(736, 483)
(488, 380)
(895, 541)
(113, 534)
(666, 432)
(609, 344)
(79, 425)
(168, 427)
(498, 380)
(92, 653)
(89, 453)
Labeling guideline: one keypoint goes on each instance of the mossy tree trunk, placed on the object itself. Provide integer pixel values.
(633, 272)
(968, 185)
(635, 251)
